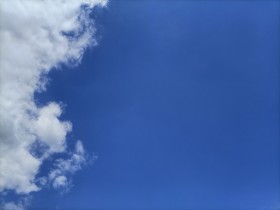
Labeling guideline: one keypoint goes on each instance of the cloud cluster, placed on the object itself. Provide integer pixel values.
(37, 36)
(20, 205)
(60, 176)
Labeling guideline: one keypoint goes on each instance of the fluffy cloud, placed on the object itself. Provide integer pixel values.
(20, 205)
(60, 176)
(49, 129)
(37, 36)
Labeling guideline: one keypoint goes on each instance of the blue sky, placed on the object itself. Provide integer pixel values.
(180, 102)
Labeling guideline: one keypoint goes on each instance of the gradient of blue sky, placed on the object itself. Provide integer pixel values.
(180, 101)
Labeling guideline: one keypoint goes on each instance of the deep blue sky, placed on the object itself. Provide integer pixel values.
(180, 101)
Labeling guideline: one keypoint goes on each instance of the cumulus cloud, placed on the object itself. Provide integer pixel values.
(50, 129)
(20, 205)
(37, 36)
(13, 206)
(60, 175)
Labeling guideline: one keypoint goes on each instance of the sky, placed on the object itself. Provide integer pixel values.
(149, 104)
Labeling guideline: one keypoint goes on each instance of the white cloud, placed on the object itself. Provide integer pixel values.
(35, 37)
(13, 206)
(60, 181)
(50, 129)
(20, 205)
(60, 176)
